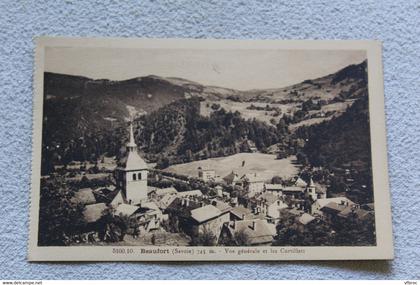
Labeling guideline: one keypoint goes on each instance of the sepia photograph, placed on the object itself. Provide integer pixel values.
(154, 149)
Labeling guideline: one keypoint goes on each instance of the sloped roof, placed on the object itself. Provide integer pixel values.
(273, 187)
(241, 212)
(369, 206)
(190, 193)
(311, 183)
(262, 233)
(151, 189)
(293, 189)
(118, 198)
(295, 212)
(165, 201)
(222, 206)
(205, 213)
(267, 197)
(333, 206)
(164, 191)
(306, 219)
(84, 196)
(300, 182)
(338, 200)
(126, 209)
(182, 210)
(93, 212)
(150, 205)
(360, 213)
(132, 161)
(205, 169)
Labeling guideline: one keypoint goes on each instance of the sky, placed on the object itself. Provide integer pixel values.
(237, 69)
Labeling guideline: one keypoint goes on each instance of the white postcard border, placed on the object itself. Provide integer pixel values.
(383, 249)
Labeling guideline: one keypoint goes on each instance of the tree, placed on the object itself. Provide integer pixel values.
(59, 217)
(240, 238)
(289, 233)
(354, 231)
(113, 228)
(204, 238)
(277, 180)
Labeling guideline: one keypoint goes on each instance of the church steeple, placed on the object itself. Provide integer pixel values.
(131, 145)
(132, 172)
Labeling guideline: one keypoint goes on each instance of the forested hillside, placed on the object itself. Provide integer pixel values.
(178, 133)
(85, 119)
(343, 144)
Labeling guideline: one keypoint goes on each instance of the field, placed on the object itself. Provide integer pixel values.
(264, 164)
(261, 115)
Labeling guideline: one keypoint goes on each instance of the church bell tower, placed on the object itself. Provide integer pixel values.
(132, 173)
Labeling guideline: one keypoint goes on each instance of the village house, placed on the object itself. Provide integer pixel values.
(148, 215)
(331, 210)
(165, 201)
(329, 207)
(195, 217)
(315, 191)
(295, 192)
(253, 183)
(250, 145)
(160, 192)
(219, 191)
(206, 174)
(232, 179)
(93, 212)
(240, 213)
(355, 211)
(275, 189)
(256, 232)
(300, 183)
(208, 219)
(305, 219)
(269, 205)
(190, 194)
(222, 206)
(84, 196)
(292, 211)
(106, 194)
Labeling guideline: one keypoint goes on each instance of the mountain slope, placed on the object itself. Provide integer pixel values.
(179, 133)
(84, 118)
(342, 145)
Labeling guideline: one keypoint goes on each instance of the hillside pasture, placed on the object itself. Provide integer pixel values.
(248, 114)
(266, 165)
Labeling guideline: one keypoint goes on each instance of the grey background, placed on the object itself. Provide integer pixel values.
(396, 23)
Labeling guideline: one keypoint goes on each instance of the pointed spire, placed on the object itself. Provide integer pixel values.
(311, 183)
(131, 145)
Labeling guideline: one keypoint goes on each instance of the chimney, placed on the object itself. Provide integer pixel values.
(243, 216)
(254, 225)
(187, 202)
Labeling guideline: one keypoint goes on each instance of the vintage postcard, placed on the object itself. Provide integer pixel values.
(208, 150)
